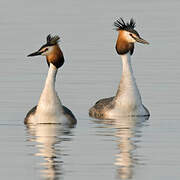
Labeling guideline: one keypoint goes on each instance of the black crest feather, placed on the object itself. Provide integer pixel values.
(52, 40)
(121, 25)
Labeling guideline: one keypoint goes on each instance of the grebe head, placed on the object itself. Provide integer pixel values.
(52, 51)
(127, 36)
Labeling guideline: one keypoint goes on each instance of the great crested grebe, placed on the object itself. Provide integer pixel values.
(49, 108)
(127, 101)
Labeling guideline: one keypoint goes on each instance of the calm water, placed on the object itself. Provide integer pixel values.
(130, 148)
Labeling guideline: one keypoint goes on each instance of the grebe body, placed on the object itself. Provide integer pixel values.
(127, 101)
(50, 108)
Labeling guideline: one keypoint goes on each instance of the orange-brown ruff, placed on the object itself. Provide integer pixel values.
(50, 108)
(122, 45)
(127, 101)
(56, 57)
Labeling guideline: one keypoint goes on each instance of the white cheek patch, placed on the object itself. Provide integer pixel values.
(47, 50)
(129, 38)
(50, 49)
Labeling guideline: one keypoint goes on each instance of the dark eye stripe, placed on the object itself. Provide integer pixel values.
(131, 35)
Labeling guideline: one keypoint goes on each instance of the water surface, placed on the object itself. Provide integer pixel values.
(130, 148)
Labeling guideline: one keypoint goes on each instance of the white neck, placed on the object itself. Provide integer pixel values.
(51, 78)
(127, 68)
(127, 90)
(49, 103)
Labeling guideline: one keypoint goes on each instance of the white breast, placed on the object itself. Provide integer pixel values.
(49, 109)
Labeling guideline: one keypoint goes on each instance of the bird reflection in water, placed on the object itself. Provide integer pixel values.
(49, 138)
(127, 132)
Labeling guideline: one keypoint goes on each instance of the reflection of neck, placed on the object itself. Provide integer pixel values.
(124, 158)
(46, 138)
(127, 84)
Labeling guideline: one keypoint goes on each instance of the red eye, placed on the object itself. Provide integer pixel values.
(131, 35)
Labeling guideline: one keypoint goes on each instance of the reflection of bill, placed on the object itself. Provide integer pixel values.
(48, 138)
(125, 129)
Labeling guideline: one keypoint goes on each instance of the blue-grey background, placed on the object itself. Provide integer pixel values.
(93, 150)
